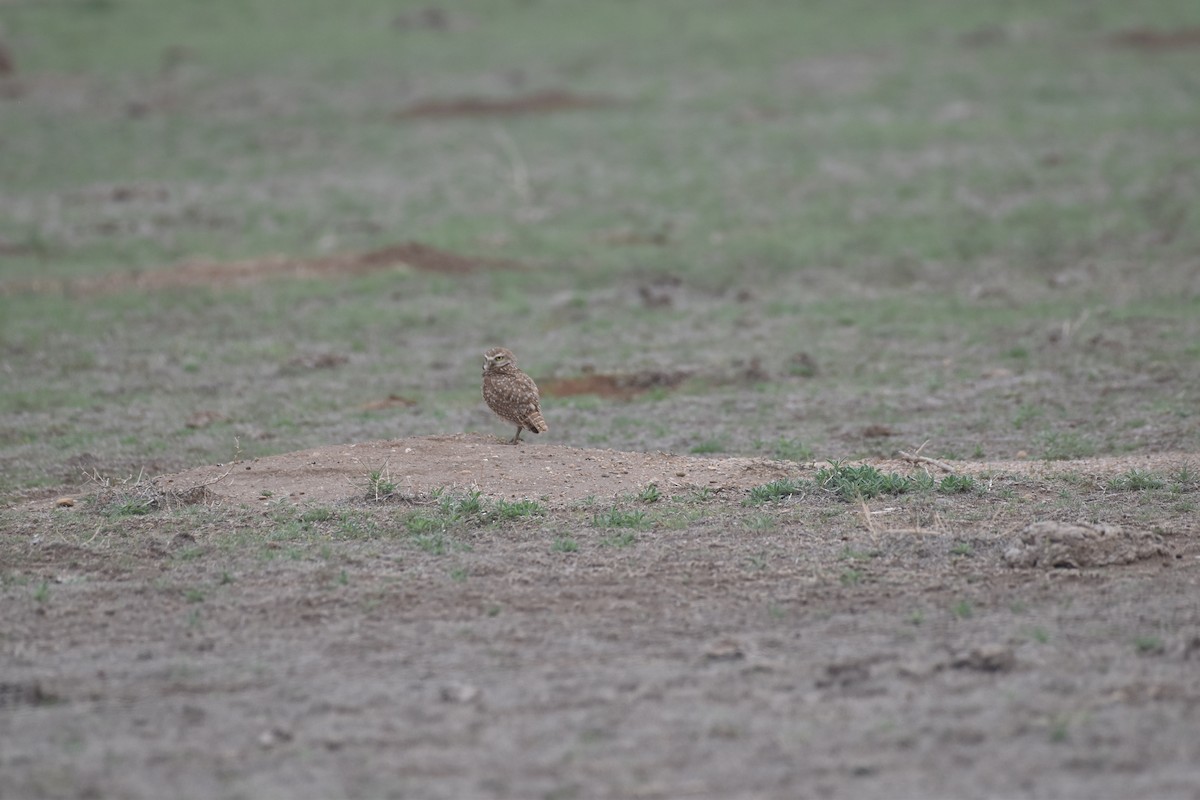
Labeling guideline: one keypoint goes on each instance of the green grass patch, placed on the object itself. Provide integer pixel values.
(1136, 480)
(791, 450)
(620, 540)
(564, 544)
(776, 490)
(866, 481)
(620, 518)
(956, 484)
(650, 494)
(516, 509)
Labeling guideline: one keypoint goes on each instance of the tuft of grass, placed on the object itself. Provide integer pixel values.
(1136, 480)
(761, 522)
(357, 526)
(618, 518)
(851, 577)
(1183, 479)
(42, 593)
(1149, 645)
(956, 484)
(850, 554)
(962, 549)
(380, 485)
(317, 515)
(455, 507)
(620, 540)
(564, 544)
(792, 450)
(758, 561)
(1065, 446)
(708, 446)
(865, 481)
(963, 609)
(193, 595)
(775, 490)
(433, 543)
(518, 508)
(650, 494)
(131, 507)
(420, 523)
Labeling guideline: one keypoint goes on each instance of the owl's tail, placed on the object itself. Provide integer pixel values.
(536, 423)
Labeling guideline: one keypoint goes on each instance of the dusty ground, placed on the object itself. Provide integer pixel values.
(286, 636)
(450, 617)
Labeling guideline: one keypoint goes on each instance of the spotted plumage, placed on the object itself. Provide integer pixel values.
(511, 394)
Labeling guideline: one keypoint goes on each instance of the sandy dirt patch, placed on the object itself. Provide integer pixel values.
(556, 475)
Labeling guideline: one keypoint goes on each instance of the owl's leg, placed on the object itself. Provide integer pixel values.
(516, 438)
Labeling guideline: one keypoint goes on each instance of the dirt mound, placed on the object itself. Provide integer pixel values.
(560, 476)
(543, 102)
(621, 387)
(407, 255)
(1151, 40)
(1057, 545)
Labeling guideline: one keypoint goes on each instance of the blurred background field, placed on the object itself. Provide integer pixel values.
(789, 229)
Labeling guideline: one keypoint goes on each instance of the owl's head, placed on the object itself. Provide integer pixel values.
(499, 359)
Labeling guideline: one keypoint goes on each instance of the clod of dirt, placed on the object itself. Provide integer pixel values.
(7, 65)
(986, 658)
(845, 674)
(202, 419)
(315, 361)
(542, 102)
(459, 693)
(274, 736)
(1151, 40)
(724, 650)
(632, 236)
(1061, 545)
(877, 431)
(1192, 649)
(802, 365)
(28, 693)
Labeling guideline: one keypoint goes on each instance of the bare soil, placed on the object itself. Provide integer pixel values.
(403, 256)
(558, 476)
(927, 646)
(1151, 40)
(541, 102)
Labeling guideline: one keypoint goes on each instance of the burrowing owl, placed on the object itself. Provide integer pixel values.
(510, 393)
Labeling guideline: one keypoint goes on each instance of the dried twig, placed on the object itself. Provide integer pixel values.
(913, 531)
(518, 171)
(917, 458)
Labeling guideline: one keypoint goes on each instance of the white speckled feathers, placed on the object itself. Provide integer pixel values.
(510, 393)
